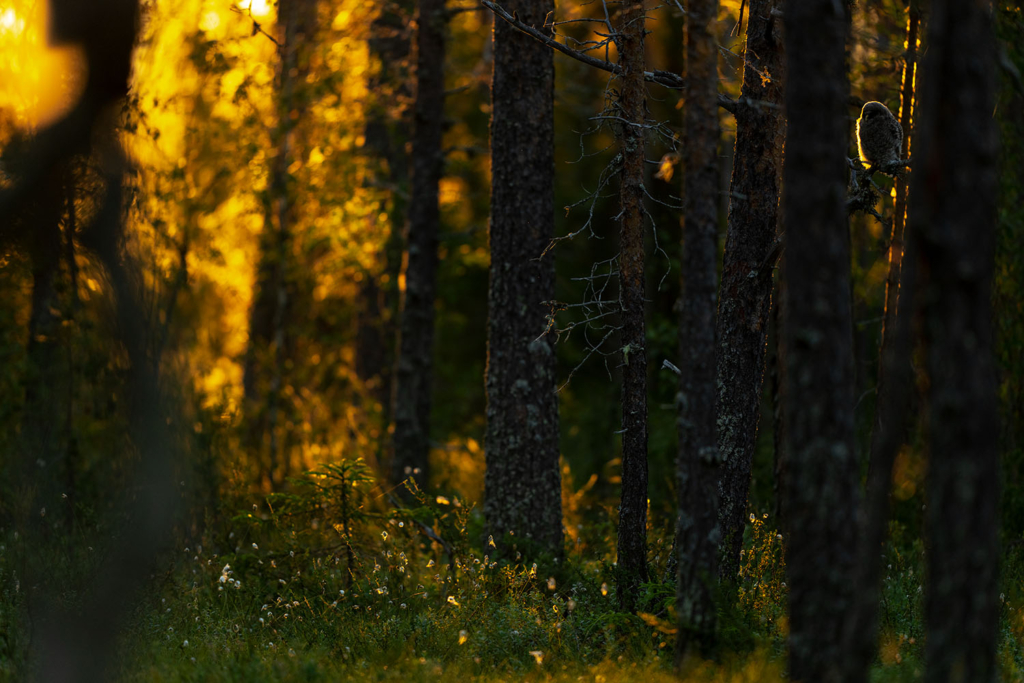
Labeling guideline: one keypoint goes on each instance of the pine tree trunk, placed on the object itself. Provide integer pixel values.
(264, 378)
(893, 395)
(745, 302)
(822, 465)
(778, 393)
(632, 542)
(385, 140)
(522, 484)
(952, 219)
(698, 459)
(414, 366)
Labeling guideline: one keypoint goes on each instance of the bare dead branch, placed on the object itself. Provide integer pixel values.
(863, 193)
(666, 79)
(256, 26)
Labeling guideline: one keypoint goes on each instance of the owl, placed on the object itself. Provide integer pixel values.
(879, 135)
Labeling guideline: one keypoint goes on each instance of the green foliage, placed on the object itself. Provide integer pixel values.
(762, 579)
(414, 592)
(407, 587)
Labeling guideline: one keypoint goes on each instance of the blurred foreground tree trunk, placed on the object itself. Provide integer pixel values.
(413, 375)
(698, 461)
(385, 136)
(1008, 314)
(822, 467)
(72, 316)
(46, 378)
(632, 541)
(269, 322)
(745, 301)
(523, 490)
(74, 639)
(952, 217)
(893, 392)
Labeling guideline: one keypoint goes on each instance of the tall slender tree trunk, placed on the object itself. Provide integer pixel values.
(745, 302)
(264, 371)
(698, 458)
(414, 365)
(523, 490)
(822, 483)
(952, 218)
(893, 396)
(385, 140)
(632, 106)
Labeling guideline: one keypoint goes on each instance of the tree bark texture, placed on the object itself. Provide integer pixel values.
(745, 302)
(780, 470)
(263, 378)
(953, 217)
(698, 459)
(414, 365)
(523, 490)
(895, 378)
(822, 466)
(632, 541)
(385, 141)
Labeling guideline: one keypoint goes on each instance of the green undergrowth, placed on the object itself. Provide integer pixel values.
(339, 580)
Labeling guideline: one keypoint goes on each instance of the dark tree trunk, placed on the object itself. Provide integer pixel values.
(698, 458)
(45, 372)
(264, 378)
(632, 542)
(71, 460)
(372, 343)
(522, 484)
(778, 393)
(746, 297)
(893, 395)
(385, 140)
(952, 219)
(414, 365)
(267, 320)
(75, 644)
(822, 465)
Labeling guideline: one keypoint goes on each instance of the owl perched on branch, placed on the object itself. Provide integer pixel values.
(879, 135)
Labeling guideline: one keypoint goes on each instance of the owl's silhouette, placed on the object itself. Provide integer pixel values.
(879, 135)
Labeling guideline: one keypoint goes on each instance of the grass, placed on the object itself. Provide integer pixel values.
(320, 586)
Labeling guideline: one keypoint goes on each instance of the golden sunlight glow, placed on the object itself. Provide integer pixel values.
(210, 21)
(207, 99)
(38, 83)
(10, 22)
(259, 8)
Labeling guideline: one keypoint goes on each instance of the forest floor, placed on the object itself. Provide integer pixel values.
(276, 595)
